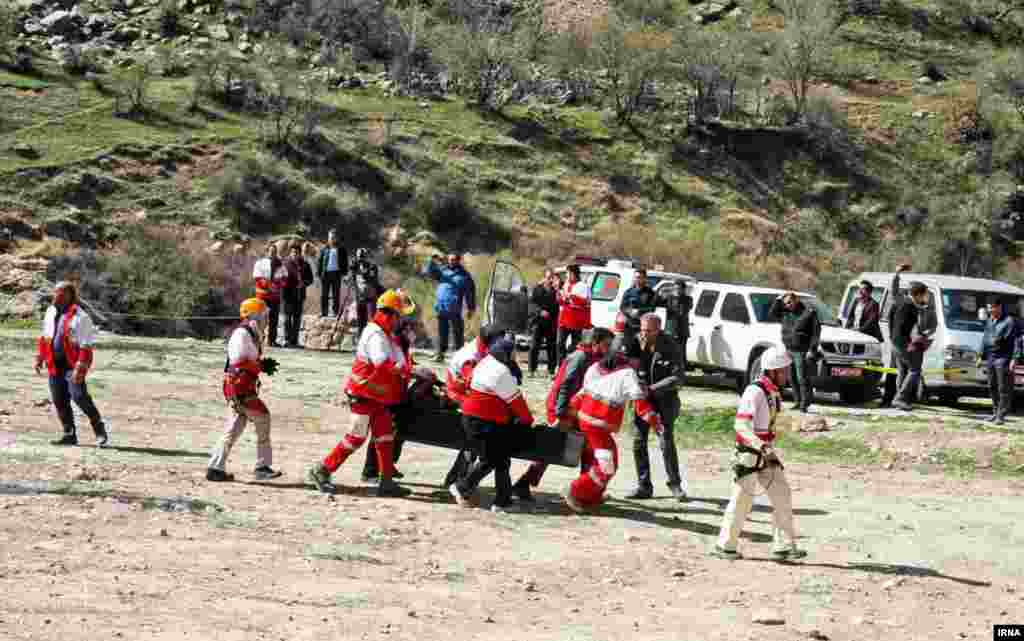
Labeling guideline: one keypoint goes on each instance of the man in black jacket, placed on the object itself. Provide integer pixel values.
(544, 321)
(864, 314)
(659, 366)
(801, 331)
(997, 351)
(331, 267)
(638, 300)
(910, 339)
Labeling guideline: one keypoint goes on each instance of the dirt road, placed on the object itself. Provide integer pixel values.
(133, 543)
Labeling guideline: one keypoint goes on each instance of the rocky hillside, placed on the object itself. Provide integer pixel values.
(685, 134)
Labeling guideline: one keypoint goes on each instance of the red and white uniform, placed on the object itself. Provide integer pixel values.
(600, 406)
(574, 306)
(494, 395)
(755, 421)
(460, 369)
(270, 282)
(241, 386)
(78, 338)
(378, 380)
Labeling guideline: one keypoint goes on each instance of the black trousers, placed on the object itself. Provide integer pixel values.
(370, 468)
(63, 392)
(570, 336)
(668, 409)
(293, 302)
(450, 325)
(544, 332)
(275, 315)
(330, 290)
(1000, 385)
(889, 384)
(494, 444)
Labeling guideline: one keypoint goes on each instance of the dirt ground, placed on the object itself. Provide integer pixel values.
(133, 543)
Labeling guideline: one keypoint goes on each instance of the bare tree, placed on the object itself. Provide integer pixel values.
(632, 56)
(803, 50)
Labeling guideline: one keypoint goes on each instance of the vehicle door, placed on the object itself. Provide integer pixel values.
(607, 288)
(847, 303)
(508, 298)
(702, 325)
(736, 334)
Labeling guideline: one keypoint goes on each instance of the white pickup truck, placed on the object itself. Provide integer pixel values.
(730, 329)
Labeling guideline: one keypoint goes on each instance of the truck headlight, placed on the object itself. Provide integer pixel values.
(960, 353)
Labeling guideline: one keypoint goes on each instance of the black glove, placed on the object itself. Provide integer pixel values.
(269, 366)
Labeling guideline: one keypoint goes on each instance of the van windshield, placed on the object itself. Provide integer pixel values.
(966, 310)
(763, 302)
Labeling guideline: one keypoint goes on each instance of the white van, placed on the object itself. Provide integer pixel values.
(508, 297)
(959, 321)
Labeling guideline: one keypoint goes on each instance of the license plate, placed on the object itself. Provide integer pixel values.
(845, 372)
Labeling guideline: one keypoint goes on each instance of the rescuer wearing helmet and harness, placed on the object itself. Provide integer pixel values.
(378, 380)
(756, 462)
(241, 390)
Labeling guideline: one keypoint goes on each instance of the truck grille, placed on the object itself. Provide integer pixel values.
(843, 349)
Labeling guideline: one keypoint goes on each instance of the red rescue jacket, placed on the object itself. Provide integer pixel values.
(381, 370)
(568, 381)
(494, 395)
(74, 353)
(574, 306)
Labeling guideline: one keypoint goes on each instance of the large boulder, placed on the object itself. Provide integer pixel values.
(62, 23)
(319, 333)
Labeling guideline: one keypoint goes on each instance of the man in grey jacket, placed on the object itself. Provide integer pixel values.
(659, 365)
(997, 350)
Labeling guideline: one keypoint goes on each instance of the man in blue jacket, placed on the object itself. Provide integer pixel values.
(456, 288)
(997, 350)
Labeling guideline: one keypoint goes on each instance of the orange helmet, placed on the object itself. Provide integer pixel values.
(390, 300)
(252, 307)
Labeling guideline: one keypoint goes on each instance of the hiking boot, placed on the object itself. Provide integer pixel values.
(729, 555)
(640, 494)
(999, 420)
(460, 498)
(388, 487)
(103, 439)
(264, 473)
(903, 405)
(218, 476)
(790, 554)
(522, 492)
(679, 493)
(795, 406)
(321, 478)
(67, 439)
(503, 508)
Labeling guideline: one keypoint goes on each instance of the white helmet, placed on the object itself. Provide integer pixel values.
(775, 358)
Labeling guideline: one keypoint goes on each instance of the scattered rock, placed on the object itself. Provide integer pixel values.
(924, 80)
(220, 32)
(163, 532)
(814, 424)
(918, 115)
(678, 574)
(893, 583)
(26, 151)
(632, 538)
(817, 635)
(769, 617)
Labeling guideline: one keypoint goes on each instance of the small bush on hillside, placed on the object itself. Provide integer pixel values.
(831, 138)
(660, 13)
(484, 63)
(448, 206)
(79, 59)
(170, 18)
(132, 86)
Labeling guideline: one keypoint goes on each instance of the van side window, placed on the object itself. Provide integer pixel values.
(605, 287)
(734, 309)
(706, 303)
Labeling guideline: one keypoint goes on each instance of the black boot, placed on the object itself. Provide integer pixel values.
(67, 439)
(522, 491)
(388, 487)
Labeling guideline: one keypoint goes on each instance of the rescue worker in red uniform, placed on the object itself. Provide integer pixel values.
(568, 381)
(608, 386)
(66, 348)
(241, 387)
(495, 417)
(573, 312)
(271, 277)
(378, 380)
(457, 377)
(755, 462)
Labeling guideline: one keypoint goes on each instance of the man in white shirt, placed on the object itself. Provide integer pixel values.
(66, 348)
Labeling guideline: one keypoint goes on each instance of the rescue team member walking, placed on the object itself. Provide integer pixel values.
(608, 386)
(458, 375)
(660, 369)
(801, 331)
(271, 277)
(997, 351)
(568, 381)
(377, 382)
(241, 389)
(573, 312)
(756, 462)
(66, 347)
(456, 288)
(543, 323)
(494, 416)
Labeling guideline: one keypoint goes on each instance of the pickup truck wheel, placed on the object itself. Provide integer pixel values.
(752, 373)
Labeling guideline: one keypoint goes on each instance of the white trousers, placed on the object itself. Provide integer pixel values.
(233, 428)
(773, 479)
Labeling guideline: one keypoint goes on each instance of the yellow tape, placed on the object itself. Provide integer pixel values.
(893, 370)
